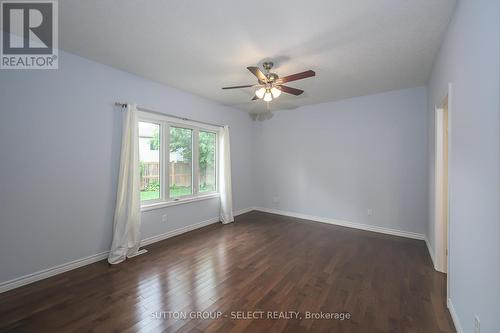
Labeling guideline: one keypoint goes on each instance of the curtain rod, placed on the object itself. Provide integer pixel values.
(168, 115)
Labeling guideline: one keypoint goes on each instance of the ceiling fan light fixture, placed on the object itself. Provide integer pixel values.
(269, 85)
(268, 96)
(276, 92)
(260, 92)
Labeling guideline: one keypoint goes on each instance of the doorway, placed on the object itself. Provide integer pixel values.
(442, 186)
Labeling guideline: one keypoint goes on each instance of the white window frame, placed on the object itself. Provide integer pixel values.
(165, 123)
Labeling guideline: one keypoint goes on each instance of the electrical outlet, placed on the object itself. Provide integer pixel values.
(477, 325)
(369, 212)
(164, 218)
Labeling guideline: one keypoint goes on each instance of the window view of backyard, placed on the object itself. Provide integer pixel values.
(149, 160)
(180, 155)
(206, 177)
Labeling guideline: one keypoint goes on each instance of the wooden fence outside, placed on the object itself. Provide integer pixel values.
(179, 175)
(149, 173)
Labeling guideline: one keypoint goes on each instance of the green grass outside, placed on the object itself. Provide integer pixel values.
(207, 188)
(149, 195)
(175, 191)
(178, 191)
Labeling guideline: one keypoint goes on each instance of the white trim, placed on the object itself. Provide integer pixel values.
(163, 204)
(354, 225)
(454, 316)
(176, 232)
(55, 270)
(442, 262)
(440, 207)
(191, 227)
(243, 211)
(177, 121)
(367, 227)
(165, 122)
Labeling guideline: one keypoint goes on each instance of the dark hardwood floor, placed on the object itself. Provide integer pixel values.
(263, 262)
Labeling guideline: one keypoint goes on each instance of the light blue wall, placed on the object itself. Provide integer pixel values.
(60, 143)
(337, 160)
(469, 60)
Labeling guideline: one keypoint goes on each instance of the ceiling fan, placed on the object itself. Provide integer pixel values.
(270, 85)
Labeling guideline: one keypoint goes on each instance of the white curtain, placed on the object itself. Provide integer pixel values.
(127, 220)
(226, 193)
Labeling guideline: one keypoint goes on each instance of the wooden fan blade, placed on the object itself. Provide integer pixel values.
(236, 87)
(298, 76)
(291, 90)
(258, 73)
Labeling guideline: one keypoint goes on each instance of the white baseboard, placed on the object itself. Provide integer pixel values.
(176, 232)
(191, 227)
(243, 211)
(354, 225)
(46, 273)
(55, 270)
(454, 316)
(367, 227)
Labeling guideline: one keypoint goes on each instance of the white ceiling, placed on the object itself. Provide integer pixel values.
(356, 47)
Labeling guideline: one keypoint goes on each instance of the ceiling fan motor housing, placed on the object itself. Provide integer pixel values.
(271, 77)
(268, 65)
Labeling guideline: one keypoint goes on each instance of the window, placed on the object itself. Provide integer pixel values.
(206, 158)
(149, 160)
(186, 170)
(181, 158)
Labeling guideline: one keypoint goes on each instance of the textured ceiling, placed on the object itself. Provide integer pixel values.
(356, 47)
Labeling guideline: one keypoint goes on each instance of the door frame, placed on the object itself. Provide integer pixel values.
(442, 244)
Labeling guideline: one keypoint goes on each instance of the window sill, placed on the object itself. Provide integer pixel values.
(163, 204)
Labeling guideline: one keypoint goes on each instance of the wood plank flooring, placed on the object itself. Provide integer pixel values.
(262, 262)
